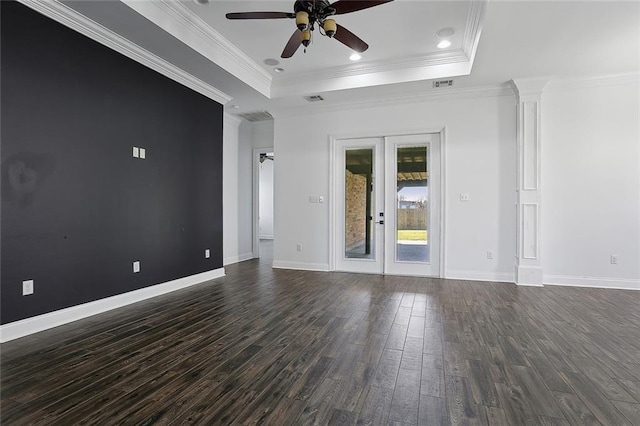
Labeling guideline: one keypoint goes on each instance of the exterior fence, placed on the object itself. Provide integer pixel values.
(412, 219)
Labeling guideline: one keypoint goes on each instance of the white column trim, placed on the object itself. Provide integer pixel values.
(528, 269)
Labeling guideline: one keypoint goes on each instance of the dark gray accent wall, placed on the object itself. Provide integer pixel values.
(77, 207)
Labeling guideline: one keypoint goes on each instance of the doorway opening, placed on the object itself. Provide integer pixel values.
(263, 200)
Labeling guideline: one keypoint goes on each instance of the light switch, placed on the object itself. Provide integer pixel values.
(136, 266)
(143, 153)
(136, 152)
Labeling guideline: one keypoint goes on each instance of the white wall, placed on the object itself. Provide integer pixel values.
(266, 199)
(480, 160)
(239, 139)
(591, 185)
(230, 202)
(590, 177)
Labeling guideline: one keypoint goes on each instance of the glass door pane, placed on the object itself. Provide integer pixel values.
(359, 242)
(412, 201)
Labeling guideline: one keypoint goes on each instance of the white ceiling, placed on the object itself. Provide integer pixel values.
(495, 41)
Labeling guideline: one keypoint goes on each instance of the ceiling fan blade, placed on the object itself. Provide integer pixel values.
(260, 15)
(346, 6)
(292, 45)
(349, 39)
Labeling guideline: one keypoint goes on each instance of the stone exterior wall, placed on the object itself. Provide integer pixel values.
(355, 209)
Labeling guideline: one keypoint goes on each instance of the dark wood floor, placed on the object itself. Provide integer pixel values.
(289, 347)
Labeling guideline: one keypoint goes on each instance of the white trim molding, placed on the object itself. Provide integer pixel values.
(564, 84)
(17, 329)
(528, 268)
(593, 282)
(430, 95)
(237, 259)
(301, 266)
(68, 17)
(501, 277)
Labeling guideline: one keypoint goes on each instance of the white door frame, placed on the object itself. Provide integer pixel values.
(373, 265)
(333, 182)
(255, 158)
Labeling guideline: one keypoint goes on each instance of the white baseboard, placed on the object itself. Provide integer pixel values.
(302, 266)
(508, 277)
(595, 282)
(237, 259)
(17, 329)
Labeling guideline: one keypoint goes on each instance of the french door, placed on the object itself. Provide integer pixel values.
(387, 198)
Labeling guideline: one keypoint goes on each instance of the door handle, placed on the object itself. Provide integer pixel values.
(381, 222)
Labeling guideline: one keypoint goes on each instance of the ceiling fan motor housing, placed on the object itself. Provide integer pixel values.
(308, 12)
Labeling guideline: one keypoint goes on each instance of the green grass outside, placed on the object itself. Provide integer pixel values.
(405, 234)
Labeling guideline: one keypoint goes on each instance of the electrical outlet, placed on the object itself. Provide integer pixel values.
(614, 259)
(136, 152)
(464, 197)
(489, 255)
(321, 199)
(299, 247)
(207, 253)
(136, 266)
(143, 153)
(27, 287)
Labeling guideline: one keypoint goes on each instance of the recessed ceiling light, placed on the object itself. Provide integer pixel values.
(355, 57)
(271, 62)
(278, 69)
(444, 44)
(446, 32)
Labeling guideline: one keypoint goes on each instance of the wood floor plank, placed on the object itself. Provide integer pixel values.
(376, 406)
(406, 398)
(575, 410)
(595, 401)
(273, 346)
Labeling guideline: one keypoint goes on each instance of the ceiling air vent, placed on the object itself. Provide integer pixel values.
(442, 83)
(314, 98)
(256, 116)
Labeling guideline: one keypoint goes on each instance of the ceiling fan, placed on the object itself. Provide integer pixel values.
(309, 12)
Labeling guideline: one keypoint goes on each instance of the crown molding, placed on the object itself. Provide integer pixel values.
(529, 86)
(372, 67)
(179, 21)
(473, 29)
(68, 17)
(391, 101)
(564, 84)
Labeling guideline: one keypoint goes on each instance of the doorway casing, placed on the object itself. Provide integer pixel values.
(334, 182)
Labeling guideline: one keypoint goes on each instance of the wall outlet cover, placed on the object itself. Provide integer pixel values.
(136, 152)
(27, 287)
(207, 253)
(143, 153)
(136, 266)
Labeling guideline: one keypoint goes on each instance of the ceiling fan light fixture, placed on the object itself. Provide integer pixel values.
(302, 20)
(355, 56)
(305, 37)
(330, 27)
